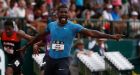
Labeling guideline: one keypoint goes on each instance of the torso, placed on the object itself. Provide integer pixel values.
(61, 39)
(10, 45)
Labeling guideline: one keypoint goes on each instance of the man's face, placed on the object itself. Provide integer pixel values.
(22, 3)
(12, 3)
(80, 46)
(63, 15)
(117, 9)
(135, 17)
(9, 30)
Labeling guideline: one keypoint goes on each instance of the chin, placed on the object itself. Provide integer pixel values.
(64, 22)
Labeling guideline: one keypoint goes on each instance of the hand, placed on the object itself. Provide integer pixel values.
(36, 49)
(117, 36)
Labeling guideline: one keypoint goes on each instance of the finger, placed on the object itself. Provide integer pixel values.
(35, 48)
(37, 52)
(34, 51)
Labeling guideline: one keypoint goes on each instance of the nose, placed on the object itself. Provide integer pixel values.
(63, 13)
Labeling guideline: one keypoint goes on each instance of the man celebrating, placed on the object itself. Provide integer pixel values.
(62, 33)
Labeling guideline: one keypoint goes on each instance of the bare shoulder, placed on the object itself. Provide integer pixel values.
(20, 32)
(86, 31)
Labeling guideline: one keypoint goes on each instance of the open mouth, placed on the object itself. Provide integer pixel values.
(63, 18)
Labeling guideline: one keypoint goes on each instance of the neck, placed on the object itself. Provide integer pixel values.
(62, 24)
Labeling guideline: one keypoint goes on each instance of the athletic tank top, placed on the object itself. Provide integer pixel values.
(10, 45)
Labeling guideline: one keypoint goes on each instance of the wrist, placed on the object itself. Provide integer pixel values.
(108, 36)
(38, 44)
(111, 37)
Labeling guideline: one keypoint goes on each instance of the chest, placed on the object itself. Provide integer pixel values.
(61, 32)
(13, 38)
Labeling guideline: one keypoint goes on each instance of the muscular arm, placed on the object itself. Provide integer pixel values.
(22, 34)
(34, 40)
(97, 34)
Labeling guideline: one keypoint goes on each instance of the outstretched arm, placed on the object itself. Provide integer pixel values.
(97, 34)
(22, 34)
(36, 39)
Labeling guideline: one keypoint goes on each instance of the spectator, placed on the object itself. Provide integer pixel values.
(2, 9)
(116, 13)
(97, 5)
(87, 17)
(135, 5)
(100, 46)
(91, 43)
(40, 16)
(79, 4)
(2, 13)
(107, 13)
(72, 11)
(21, 9)
(29, 12)
(44, 12)
(125, 7)
(29, 18)
(41, 12)
(12, 10)
(49, 4)
(116, 2)
(134, 24)
(79, 48)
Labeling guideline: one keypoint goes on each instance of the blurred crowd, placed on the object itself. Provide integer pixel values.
(38, 13)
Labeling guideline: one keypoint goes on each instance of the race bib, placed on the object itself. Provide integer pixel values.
(58, 45)
(8, 47)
